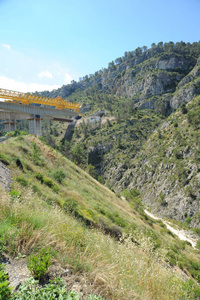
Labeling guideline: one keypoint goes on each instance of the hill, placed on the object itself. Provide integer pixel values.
(156, 78)
(107, 242)
(140, 90)
(166, 170)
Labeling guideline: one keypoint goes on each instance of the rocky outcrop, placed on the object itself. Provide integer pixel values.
(5, 177)
(166, 171)
(187, 88)
(153, 73)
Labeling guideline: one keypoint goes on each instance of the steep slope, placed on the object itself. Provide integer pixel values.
(115, 247)
(149, 77)
(166, 170)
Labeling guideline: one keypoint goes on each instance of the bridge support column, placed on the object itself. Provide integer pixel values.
(10, 125)
(35, 125)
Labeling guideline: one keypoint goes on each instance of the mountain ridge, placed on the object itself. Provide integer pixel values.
(149, 77)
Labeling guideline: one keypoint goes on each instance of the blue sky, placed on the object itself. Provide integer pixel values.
(47, 43)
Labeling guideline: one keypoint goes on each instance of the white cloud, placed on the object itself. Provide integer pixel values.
(11, 84)
(6, 46)
(67, 78)
(46, 74)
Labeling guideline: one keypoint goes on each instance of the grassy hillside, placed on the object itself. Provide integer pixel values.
(118, 251)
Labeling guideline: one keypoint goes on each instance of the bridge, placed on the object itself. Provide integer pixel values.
(20, 106)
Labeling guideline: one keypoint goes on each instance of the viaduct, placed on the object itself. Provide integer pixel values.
(19, 106)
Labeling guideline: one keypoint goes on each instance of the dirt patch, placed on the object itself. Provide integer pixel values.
(18, 273)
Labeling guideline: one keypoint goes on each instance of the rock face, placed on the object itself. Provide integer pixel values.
(157, 80)
(167, 171)
(188, 87)
(5, 177)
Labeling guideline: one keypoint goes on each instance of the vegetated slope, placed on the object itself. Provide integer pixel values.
(147, 77)
(55, 204)
(110, 147)
(119, 251)
(166, 170)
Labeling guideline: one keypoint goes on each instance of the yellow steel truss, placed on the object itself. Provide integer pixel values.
(17, 97)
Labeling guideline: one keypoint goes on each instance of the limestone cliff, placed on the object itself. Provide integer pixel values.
(167, 170)
(156, 78)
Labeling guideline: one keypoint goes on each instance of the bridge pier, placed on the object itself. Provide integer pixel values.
(35, 125)
(10, 125)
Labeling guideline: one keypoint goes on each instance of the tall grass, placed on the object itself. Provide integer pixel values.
(35, 215)
(116, 270)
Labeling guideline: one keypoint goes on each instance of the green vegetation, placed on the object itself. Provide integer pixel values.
(105, 238)
(108, 240)
(54, 290)
(5, 291)
(38, 264)
(170, 158)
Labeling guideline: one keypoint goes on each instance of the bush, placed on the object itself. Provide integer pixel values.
(59, 175)
(183, 108)
(47, 182)
(38, 264)
(91, 170)
(22, 181)
(5, 291)
(54, 290)
(15, 194)
(40, 177)
(101, 179)
(4, 159)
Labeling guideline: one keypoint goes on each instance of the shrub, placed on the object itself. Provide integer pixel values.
(19, 164)
(4, 159)
(5, 291)
(101, 179)
(59, 175)
(91, 170)
(39, 177)
(22, 181)
(54, 290)
(38, 264)
(183, 108)
(15, 194)
(198, 244)
(47, 181)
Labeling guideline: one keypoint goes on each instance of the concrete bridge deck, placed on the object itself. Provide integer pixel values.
(11, 112)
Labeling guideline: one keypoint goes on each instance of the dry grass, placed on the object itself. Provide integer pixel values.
(113, 269)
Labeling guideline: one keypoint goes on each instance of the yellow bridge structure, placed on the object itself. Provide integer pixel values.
(28, 99)
(25, 106)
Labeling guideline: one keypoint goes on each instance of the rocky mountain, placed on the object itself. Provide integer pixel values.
(157, 78)
(143, 149)
(166, 169)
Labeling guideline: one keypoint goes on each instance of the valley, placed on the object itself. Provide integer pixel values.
(88, 194)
